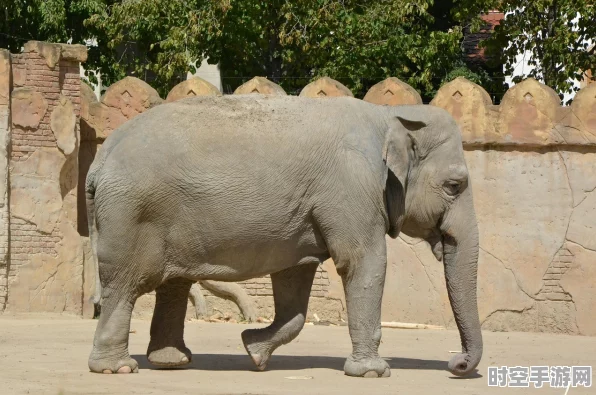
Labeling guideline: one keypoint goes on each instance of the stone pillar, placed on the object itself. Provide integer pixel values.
(471, 107)
(5, 87)
(46, 255)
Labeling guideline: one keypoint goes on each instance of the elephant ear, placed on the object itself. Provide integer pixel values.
(400, 153)
(401, 149)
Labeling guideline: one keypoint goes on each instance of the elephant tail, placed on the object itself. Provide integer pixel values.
(90, 200)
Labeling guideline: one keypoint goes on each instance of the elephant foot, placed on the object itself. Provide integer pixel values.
(367, 367)
(124, 364)
(169, 356)
(259, 351)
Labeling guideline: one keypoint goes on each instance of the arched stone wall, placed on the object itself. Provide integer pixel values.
(533, 172)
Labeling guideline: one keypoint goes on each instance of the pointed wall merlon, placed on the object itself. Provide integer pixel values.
(392, 92)
(530, 114)
(260, 85)
(121, 102)
(325, 87)
(194, 86)
(579, 126)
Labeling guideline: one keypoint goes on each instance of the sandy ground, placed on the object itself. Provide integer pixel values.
(48, 355)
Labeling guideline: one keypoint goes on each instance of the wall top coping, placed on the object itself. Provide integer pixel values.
(53, 53)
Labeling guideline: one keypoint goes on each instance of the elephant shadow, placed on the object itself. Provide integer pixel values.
(230, 362)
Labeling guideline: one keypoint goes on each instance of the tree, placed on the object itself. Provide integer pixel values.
(554, 33)
(155, 40)
(44, 20)
(290, 42)
(358, 42)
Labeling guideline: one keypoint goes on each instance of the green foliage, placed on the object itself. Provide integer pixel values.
(155, 40)
(554, 33)
(358, 42)
(44, 20)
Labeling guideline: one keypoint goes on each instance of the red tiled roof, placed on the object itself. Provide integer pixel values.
(472, 40)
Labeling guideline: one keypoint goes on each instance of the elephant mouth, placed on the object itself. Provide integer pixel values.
(436, 244)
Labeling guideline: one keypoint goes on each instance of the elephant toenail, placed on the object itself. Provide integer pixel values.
(107, 371)
(125, 369)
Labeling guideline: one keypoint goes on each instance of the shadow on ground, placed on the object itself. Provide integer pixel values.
(225, 362)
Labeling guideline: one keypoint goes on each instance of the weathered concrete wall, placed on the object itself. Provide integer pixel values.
(533, 170)
(45, 269)
(5, 88)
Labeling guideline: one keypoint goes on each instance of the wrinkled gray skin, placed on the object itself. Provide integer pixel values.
(237, 187)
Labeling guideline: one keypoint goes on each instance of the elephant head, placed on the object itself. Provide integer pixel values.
(425, 162)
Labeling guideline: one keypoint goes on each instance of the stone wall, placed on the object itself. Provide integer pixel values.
(5, 84)
(533, 172)
(44, 271)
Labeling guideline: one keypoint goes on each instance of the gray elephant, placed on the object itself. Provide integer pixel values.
(237, 187)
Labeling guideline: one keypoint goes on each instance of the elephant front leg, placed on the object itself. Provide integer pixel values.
(167, 347)
(364, 279)
(291, 290)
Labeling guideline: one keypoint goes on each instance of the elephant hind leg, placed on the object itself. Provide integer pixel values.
(167, 347)
(110, 344)
(291, 290)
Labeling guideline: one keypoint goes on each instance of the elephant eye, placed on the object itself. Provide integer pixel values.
(452, 188)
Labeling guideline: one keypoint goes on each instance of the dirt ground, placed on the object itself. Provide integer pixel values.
(48, 355)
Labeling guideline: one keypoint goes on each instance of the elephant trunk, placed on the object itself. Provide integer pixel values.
(460, 257)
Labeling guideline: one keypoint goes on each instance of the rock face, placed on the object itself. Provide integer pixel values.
(471, 107)
(28, 108)
(63, 121)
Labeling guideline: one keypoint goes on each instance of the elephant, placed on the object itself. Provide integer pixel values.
(235, 187)
(230, 291)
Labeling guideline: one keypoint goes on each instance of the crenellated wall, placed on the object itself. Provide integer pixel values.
(533, 173)
(533, 169)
